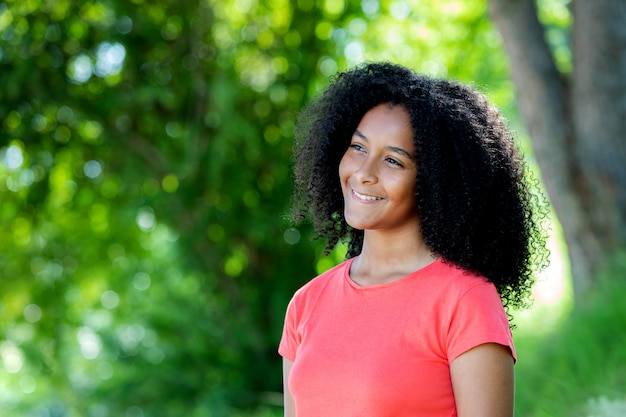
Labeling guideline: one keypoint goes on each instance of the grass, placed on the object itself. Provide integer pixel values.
(578, 368)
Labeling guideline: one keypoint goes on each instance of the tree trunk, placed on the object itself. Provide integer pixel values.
(599, 114)
(576, 123)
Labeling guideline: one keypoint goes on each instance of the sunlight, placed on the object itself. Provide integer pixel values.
(109, 59)
(81, 69)
(551, 294)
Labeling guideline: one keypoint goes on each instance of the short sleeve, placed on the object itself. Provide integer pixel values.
(289, 340)
(478, 318)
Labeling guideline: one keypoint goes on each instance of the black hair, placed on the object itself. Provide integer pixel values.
(479, 206)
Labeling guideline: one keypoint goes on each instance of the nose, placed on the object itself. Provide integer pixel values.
(367, 172)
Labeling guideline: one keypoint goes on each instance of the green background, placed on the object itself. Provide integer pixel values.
(146, 255)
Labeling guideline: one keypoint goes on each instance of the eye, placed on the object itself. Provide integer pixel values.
(394, 162)
(357, 147)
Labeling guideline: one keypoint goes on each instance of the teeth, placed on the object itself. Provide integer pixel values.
(366, 197)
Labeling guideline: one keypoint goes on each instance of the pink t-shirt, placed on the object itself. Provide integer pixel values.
(385, 350)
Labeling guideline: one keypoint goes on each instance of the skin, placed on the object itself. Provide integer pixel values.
(483, 383)
(378, 164)
(290, 405)
(377, 175)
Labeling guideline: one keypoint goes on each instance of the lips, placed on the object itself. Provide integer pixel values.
(365, 197)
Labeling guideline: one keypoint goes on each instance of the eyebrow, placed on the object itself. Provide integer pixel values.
(392, 148)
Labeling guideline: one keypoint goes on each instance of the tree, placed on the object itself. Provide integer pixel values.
(144, 179)
(576, 118)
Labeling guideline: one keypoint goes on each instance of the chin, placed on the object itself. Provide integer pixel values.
(359, 225)
(354, 224)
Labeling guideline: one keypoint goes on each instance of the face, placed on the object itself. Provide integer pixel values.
(378, 173)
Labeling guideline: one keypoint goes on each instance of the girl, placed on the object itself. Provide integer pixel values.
(423, 181)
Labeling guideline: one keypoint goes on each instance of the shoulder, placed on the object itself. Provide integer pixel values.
(453, 290)
(457, 282)
(310, 291)
(471, 313)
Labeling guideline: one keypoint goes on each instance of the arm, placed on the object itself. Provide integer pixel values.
(290, 406)
(483, 383)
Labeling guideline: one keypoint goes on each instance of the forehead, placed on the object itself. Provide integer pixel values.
(388, 124)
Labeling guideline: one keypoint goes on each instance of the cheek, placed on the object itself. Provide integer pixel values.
(405, 189)
(344, 168)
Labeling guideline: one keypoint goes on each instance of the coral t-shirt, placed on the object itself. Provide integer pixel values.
(385, 350)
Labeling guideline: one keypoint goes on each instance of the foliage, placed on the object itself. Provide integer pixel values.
(144, 175)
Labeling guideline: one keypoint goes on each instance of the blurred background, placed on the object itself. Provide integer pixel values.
(146, 254)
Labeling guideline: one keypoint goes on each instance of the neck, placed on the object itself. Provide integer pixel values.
(386, 257)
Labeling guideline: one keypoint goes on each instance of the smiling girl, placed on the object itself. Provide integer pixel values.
(422, 180)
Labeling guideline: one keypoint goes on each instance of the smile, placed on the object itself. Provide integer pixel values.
(365, 197)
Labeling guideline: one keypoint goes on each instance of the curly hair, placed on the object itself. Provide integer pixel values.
(479, 206)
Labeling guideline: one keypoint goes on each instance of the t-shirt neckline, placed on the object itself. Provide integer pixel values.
(419, 272)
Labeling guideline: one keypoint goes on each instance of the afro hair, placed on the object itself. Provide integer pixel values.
(479, 206)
